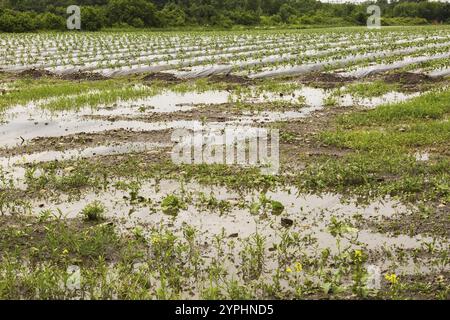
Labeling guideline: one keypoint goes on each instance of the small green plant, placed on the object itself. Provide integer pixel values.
(266, 205)
(94, 211)
(171, 205)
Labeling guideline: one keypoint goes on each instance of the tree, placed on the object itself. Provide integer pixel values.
(286, 11)
(50, 21)
(92, 18)
(406, 9)
(129, 11)
(172, 15)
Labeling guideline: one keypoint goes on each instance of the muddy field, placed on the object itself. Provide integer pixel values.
(93, 205)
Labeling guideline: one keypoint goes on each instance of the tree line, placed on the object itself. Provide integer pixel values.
(32, 15)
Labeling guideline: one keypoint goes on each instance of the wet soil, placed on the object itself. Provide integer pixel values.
(409, 81)
(83, 76)
(204, 113)
(299, 138)
(232, 79)
(85, 140)
(435, 222)
(409, 78)
(324, 80)
(161, 76)
(78, 76)
(36, 73)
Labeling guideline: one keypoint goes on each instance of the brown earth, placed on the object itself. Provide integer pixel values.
(409, 78)
(35, 73)
(233, 79)
(86, 140)
(161, 76)
(88, 76)
(324, 80)
(78, 76)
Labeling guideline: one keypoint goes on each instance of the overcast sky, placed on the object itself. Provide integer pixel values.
(358, 1)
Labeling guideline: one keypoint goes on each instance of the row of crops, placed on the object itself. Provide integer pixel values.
(253, 54)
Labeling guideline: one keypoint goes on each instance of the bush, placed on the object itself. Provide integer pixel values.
(50, 21)
(245, 18)
(403, 21)
(92, 18)
(128, 11)
(172, 15)
(12, 21)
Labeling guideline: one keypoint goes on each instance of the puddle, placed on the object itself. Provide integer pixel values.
(24, 123)
(348, 100)
(13, 166)
(313, 97)
(309, 213)
(163, 103)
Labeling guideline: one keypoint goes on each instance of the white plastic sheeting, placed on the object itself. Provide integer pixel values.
(364, 72)
(307, 68)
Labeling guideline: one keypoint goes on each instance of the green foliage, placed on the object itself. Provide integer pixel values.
(136, 13)
(93, 18)
(171, 205)
(94, 211)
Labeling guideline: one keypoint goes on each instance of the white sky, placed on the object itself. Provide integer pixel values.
(359, 1)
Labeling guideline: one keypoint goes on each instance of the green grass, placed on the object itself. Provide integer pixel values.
(416, 135)
(434, 105)
(67, 95)
(369, 89)
(36, 254)
(26, 91)
(382, 143)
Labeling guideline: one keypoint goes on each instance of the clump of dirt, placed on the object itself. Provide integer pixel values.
(36, 73)
(89, 76)
(324, 80)
(77, 76)
(86, 140)
(409, 78)
(200, 114)
(161, 76)
(233, 79)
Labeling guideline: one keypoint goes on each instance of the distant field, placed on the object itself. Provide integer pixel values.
(93, 205)
(254, 54)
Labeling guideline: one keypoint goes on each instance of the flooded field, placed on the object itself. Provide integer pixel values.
(353, 201)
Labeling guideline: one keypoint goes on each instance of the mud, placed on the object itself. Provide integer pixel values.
(36, 73)
(324, 80)
(433, 223)
(77, 76)
(161, 76)
(202, 114)
(298, 138)
(232, 79)
(83, 76)
(84, 139)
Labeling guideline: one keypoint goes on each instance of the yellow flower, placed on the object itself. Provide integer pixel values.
(288, 270)
(298, 267)
(155, 240)
(65, 252)
(392, 278)
(358, 254)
